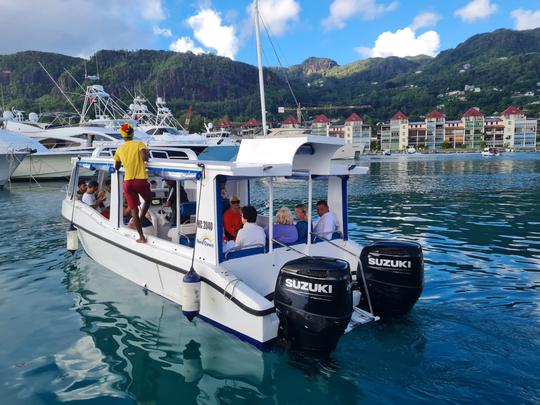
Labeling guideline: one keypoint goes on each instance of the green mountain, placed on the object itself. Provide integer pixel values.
(503, 66)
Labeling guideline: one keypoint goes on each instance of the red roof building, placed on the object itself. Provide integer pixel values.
(290, 120)
(437, 115)
(354, 118)
(224, 123)
(399, 116)
(512, 110)
(321, 119)
(473, 112)
(252, 122)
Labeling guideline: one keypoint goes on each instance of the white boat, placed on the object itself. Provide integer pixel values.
(491, 152)
(387, 152)
(41, 163)
(411, 150)
(260, 293)
(13, 149)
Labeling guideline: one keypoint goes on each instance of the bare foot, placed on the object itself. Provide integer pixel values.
(141, 240)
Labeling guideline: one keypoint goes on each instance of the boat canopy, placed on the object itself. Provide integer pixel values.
(275, 157)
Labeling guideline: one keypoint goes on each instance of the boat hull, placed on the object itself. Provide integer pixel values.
(161, 271)
(8, 163)
(48, 166)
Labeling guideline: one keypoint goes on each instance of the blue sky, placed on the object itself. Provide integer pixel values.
(343, 30)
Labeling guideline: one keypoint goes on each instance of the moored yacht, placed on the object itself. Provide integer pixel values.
(307, 293)
(13, 149)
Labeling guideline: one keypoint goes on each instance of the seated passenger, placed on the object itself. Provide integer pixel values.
(327, 224)
(284, 230)
(89, 198)
(300, 211)
(82, 189)
(251, 233)
(106, 203)
(232, 219)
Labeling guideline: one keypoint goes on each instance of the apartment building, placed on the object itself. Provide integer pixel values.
(519, 131)
(512, 129)
(395, 136)
(435, 129)
(473, 128)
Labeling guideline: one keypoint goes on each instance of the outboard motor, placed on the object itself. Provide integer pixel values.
(394, 272)
(313, 299)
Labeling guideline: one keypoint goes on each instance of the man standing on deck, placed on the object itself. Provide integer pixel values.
(133, 155)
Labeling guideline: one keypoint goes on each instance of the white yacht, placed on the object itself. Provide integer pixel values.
(13, 149)
(307, 294)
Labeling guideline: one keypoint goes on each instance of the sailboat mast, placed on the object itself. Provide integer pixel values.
(259, 64)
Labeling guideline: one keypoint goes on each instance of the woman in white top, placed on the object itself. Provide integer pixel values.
(251, 233)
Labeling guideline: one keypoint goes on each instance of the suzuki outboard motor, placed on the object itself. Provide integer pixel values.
(313, 299)
(394, 273)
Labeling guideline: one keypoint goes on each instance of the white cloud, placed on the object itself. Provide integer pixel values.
(402, 43)
(476, 10)
(66, 26)
(342, 10)
(152, 10)
(185, 44)
(164, 32)
(424, 20)
(208, 30)
(526, 19)
(277, 14)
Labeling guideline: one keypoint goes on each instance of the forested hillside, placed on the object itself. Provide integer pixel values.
(498, 68)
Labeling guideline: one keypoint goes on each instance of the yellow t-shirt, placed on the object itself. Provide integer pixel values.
(129, 153)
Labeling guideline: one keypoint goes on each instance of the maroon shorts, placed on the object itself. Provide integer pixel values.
(134, 188)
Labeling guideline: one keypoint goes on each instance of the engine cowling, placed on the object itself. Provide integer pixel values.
(394, 272)
(313, 299)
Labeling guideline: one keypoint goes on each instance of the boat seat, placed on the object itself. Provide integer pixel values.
(187, 240)
(187, 209)
(249, 250)
(335, 235)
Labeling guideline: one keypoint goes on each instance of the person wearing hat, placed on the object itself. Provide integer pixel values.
(133, 155)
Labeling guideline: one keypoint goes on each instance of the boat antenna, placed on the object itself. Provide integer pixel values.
(296, 102)
(59, 88)
(259, 64)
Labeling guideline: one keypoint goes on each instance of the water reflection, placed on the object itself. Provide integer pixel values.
(149, 351)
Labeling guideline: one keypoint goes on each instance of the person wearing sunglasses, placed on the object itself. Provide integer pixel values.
(232, 219)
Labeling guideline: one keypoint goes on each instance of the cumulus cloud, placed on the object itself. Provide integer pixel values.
(424, 20)
(277, 14)
(402, 43)
(185, 44)
(342, 10)
(152, 10)
(163, 32)
(65, 26)
(209, 30)
(526, 19)
(476, 10)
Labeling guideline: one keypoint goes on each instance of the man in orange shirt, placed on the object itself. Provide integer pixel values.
(232, 219)
(133, 155)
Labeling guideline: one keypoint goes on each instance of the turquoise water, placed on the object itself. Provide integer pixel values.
(72, 331)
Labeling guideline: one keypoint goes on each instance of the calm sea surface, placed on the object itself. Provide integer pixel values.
(71, 331)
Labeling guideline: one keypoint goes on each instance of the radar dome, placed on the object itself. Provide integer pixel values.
(7, 115)
(33, 117)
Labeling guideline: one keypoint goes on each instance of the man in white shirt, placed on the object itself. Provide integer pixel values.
(327, 223)
(251, 233)
(89, 197)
